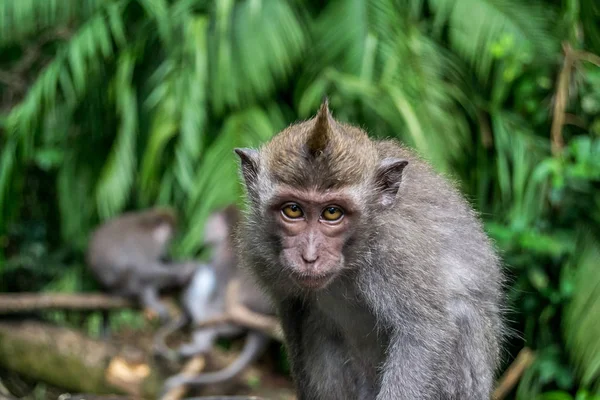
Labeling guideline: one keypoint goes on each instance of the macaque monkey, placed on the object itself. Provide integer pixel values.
(385, 282)
(126, 255)
(205, 298)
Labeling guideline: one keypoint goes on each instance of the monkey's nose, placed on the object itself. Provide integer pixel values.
(309, 258)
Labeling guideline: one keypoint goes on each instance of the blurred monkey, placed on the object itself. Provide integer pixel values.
(127, 256)
(206, 297)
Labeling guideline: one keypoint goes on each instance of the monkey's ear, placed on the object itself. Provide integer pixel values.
(388, 178)
(249, 162)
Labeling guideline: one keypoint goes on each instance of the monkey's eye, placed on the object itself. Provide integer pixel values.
(292, 211)
(332, 214)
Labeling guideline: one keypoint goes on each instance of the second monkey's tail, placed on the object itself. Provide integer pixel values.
(160, 347)
(255, 344)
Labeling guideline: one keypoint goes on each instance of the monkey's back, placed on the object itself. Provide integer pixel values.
(435, 225)
(117, 248)
(444, 226)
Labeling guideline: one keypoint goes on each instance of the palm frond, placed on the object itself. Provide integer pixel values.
(520, 28)
(158, 11)
(7, 162)
(395, 71)
(193, 98)
(161, 104)
(519, 156)
(22, 19)
(256, 46)
(63, 82)
(75, 201)
(581, 325)
(65, 79)
(590, 14)
(115, 183)
(178, 102)
(341, 29)
(217, 180)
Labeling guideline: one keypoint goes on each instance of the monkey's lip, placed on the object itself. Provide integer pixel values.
(313, 281)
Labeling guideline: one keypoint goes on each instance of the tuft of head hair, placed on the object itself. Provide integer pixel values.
(320, 153)
(321, 133)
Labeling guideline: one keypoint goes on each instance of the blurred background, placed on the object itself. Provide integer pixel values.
(115, 105)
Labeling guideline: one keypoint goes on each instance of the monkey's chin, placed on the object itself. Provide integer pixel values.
(314, 282)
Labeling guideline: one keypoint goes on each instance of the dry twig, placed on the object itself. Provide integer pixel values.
(20, 302)
(562, 92)
(192, 368)
(560, 101)
(512, 375)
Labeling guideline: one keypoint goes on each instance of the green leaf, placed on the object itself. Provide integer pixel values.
(115, 183)
(519, 27)
(581, 324)
(556, 395)
(23, 19)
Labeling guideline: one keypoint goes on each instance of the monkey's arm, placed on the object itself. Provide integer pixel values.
(254, 346)
(418, 339)
(162, 275)
(408, 368)
(292, 315)
(149, 299)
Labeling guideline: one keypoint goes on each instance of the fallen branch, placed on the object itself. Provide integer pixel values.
(126, 375)
(512, 375)
(20, 302)
(69, 359)
(225, 398)
(68, 396)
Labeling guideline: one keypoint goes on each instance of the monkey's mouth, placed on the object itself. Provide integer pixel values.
(314, 281)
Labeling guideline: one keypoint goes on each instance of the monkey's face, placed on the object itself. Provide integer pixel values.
(162, 233)
(312, 189)
(313, 228)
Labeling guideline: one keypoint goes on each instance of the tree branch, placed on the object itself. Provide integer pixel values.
(512, 375)
(20, 302)
(192, 368)
(562, 92)
(560, 100)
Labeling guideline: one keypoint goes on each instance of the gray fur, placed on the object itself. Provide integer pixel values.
(125, 256)
(205, 298)
(416, 313)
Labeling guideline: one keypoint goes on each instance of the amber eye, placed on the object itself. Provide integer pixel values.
(292, 211)
(332, 213)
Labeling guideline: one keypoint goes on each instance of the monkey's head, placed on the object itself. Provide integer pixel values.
(161, 222)
(313, 191)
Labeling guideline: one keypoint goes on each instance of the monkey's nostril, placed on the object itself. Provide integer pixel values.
(310, 258)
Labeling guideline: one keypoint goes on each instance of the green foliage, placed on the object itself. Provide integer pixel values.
(581, 323)
(140, 102)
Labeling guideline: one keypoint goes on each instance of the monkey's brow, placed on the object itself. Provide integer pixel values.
(312, 196)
